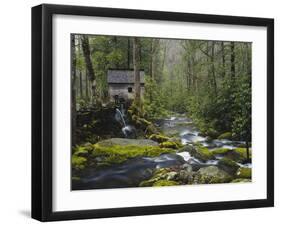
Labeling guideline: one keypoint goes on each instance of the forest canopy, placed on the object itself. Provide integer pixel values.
(208, 80)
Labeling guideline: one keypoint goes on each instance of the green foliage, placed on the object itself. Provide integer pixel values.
(153, 100)
(78, 162)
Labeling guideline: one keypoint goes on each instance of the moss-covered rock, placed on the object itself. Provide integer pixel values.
(158, 138)
(201, 153)
(245, 173)
(228, 165)
(78, 162)
(226, 135)
(161, 183)
(240, 180)
(243, 154)
(237, 155)
(212, 175)
(220, 151)
(119, 150)
(170, 144)
(158, 174)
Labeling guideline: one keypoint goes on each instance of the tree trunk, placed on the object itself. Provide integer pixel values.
(89, 65)
(128, 53)
(81, 85)
(136, 58)
(213, 67)
(73, 90)
(248, 151)
(87, 85)
(232, 60)
(223, 59)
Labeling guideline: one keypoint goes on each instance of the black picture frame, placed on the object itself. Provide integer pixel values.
(42, 111)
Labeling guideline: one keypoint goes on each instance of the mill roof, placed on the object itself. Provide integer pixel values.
(123, 76)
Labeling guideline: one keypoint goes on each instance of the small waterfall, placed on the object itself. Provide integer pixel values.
(120, 115)
(128, 130)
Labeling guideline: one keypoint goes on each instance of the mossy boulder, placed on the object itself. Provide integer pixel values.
(220, 151)
(78, 162)
(212, 175)
(237, 155)
(241, 180)
(201, 153)
(161, 183)
(245, 173)
(228, 165)
(118, 150)
(170, 144)
(158, 174)
(226, 135)
(158, 138)
(243, 154)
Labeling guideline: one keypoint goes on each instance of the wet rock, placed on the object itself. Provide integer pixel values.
(172, 175)
(212, 175)
(245, 173)
(241, 180)
(201, 153)
(228, 165)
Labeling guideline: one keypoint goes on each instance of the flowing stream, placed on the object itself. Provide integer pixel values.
(133, 171)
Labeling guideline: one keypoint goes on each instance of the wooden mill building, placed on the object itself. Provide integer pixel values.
(121, 84)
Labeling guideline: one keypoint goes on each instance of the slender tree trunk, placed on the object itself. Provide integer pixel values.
(232, 60)
(248, 151)
(81, 85)
(151, 58)
(213, 67)
(89, 65)
(87, 85)
(136, 58)
(73, 90)
(223, 59)
(128, 53)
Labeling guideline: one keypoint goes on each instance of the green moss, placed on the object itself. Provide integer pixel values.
(240, 180)
(220, 151)
(75, 178)
(243, 152)
(144, 121)
(78, 162)
(237, 155)
(161, 183)
(158, 138)
(170, 144)
(245, 173)
(228, 165)
(226, 135)
(201, 153)
(118, 154)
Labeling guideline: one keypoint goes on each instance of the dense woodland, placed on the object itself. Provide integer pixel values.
(209, 80)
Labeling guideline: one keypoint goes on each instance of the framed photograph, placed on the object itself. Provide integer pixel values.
(146, 112)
